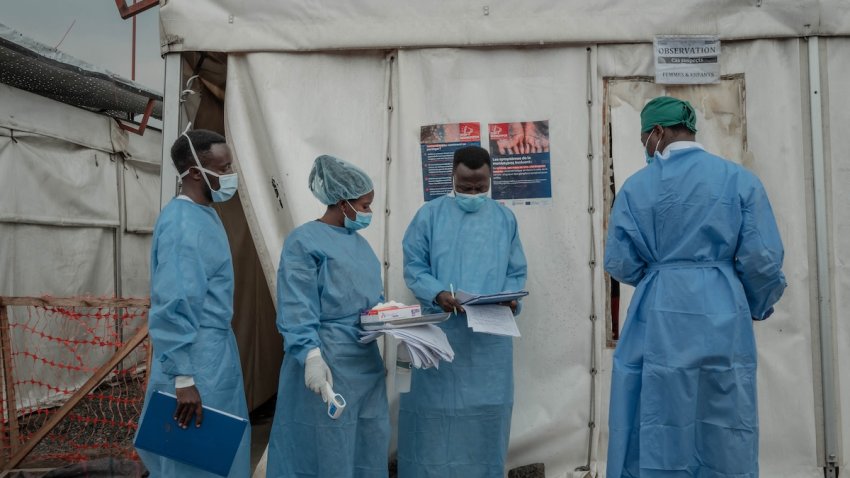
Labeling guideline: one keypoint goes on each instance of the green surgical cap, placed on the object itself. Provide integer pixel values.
(668, 111)
(333, 180)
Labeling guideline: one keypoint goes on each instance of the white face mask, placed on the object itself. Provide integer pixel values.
(227, 183)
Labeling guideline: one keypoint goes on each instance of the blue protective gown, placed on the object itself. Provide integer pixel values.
(456, 420)
(189, 321)
(696, 236)
(327, 276)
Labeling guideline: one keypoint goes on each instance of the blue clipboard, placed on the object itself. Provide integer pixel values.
(212, 447)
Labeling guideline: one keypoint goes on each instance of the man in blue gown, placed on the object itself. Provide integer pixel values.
(456, 421)
(696, 236)
(194, 349)
(328, 274)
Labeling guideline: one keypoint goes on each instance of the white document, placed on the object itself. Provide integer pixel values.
(491, 319)
(427, 344)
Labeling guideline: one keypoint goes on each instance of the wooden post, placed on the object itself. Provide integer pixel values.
(90, 384)
(8, 378)
(148, 363)
(5, 452)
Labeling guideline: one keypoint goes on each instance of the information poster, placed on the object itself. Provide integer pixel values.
(438, 143)
(522, 172)
(687, 60)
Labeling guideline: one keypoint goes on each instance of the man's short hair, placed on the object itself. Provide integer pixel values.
(473, 157)
(202, 140)
(680, 128)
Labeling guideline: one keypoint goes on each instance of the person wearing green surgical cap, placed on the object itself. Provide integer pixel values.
(696, 236)
(664, 121)
(328, 273)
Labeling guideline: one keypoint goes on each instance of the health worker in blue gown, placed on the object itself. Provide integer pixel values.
(194, 350)
(328, 274)
(456, 420)
(696, 236)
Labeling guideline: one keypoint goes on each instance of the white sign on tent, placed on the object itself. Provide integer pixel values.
(687, 60)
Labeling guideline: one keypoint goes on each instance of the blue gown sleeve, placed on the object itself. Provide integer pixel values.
(517, 265)
(622, 260)
(178, 288)
(298, 300)
(759, 256)
(416, 246)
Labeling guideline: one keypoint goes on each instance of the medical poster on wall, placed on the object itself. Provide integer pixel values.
(522, 174)
(438, 143)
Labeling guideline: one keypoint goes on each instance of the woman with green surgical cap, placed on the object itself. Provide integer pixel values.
(695, 234)
(328, 273)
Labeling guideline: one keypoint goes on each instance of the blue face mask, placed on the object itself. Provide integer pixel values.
(227, 183)
(361, 219)
(470, 202)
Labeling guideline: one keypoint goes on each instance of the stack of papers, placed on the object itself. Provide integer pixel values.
(491, 319)
(427, 344)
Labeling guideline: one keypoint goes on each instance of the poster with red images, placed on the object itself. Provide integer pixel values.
(522, 172)
(438, 143)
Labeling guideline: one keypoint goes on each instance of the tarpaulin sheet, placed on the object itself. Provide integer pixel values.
(298, 25)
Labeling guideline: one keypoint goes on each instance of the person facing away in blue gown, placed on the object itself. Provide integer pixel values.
(195, 355)
(327, 275)
(695, 234)
(456, 420)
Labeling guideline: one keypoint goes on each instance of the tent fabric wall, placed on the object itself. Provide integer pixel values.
(35, 164)
(62, 212)
(299, 25)
(277, 123)
(836, 105)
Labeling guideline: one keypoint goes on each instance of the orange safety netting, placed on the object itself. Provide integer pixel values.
(54, 351)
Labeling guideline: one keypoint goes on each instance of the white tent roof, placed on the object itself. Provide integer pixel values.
(300, 25)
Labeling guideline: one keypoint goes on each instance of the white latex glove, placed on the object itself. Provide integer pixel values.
(317, 374)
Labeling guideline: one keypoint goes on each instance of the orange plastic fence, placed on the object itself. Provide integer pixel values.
(51, 347)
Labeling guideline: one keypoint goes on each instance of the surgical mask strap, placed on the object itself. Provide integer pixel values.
(646, 143)
(356, 212)
(201, 168)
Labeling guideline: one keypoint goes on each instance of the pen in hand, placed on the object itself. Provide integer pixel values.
(452, 287)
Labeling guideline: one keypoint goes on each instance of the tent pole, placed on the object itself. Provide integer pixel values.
(592, 263)
(830, 418)
(172, 124)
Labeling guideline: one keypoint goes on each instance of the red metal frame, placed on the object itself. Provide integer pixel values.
(140, 130)
(130, 11)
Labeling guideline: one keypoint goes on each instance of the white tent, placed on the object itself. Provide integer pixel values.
(78, 199)
(359, 78)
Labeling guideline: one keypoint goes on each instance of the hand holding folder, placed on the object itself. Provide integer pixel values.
(211, 448)
(188, 405)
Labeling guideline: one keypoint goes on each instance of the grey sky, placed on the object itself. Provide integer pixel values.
(99, 36)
